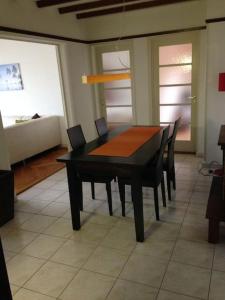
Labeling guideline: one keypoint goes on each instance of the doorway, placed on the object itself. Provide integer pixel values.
(175, 86)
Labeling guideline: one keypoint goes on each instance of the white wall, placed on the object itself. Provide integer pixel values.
(80, 106)
(215, 100)
(24, 14)
(215, 9)
(39, 70)
(142, 81)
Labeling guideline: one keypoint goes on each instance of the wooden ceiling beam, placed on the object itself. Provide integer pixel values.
(126, 8)
(92, 5)
(45, 3)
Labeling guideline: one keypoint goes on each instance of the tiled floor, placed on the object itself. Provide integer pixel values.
(47, 260)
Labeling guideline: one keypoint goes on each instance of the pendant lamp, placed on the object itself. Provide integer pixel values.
(101, 78)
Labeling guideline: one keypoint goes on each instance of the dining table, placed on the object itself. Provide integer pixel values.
(122, 152)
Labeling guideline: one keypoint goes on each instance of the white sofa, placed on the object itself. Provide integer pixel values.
(32, 137)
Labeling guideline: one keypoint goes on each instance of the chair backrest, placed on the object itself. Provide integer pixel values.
(76, 137)
(170, 155)
(165, 135)
(101, 126)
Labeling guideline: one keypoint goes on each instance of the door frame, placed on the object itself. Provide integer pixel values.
(175, 39)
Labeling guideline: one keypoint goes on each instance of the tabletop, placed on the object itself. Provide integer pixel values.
(138, 159)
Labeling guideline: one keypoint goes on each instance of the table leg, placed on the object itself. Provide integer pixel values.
(5, 291)
(137, 198)
(213, 231)
(76, 195)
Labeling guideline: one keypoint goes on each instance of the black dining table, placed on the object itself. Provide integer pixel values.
(131, 167)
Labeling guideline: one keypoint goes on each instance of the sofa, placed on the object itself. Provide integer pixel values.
(31, 137)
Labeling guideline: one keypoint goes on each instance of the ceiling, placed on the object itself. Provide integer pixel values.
(84, 9)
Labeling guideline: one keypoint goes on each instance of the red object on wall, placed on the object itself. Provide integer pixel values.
(221, 82)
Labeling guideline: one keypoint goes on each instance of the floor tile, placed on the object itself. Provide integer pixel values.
(73, 253)
(43, 246)
(162, 249)
(88, 286)
(102, 220)
(61, 186)
(194, 232)
(165, 295)
(22, 267)
(217, 288)
(132, 291)
(8, 255)
(25, 294)
(163, 231)
(61, 228)
(29, 194)
(46, 184)
(32, 206)
(106, 261)
(219, 258)
(55, 209)
(121, 237)
(18, 220)
(64, 198)
(90, 233)
(14, 289)
(38, 223)
(144, 269)
(194, 253)
(51, 279)
(187, 280)
(16, 240)
(49, 194)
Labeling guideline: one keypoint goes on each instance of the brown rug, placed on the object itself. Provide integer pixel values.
(37, 168)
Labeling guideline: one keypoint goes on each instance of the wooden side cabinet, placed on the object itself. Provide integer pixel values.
(6, 196)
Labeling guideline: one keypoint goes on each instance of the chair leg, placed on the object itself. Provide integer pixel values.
(92, 190)
(163, 191)
(168, 184)
(174, 178)
(122, 197)
(109, 195)
(156, 201)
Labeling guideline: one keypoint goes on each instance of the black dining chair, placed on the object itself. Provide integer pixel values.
(152, 176)
(77, 140)
(168, 161)
(101, 126)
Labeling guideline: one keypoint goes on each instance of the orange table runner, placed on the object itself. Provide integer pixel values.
(127, 142)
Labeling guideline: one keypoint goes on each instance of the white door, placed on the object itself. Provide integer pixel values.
(175, 86)
(116, 96)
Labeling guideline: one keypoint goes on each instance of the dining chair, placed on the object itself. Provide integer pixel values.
(77, 141)
(168, 161)
(101, 126)
(152, 176)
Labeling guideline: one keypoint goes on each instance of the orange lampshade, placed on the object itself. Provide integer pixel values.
(101, 78)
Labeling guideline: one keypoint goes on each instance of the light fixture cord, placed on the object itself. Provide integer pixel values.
(122, 26)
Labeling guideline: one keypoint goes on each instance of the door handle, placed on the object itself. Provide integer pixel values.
(193, 99)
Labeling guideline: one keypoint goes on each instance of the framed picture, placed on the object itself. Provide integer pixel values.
(10, 78)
